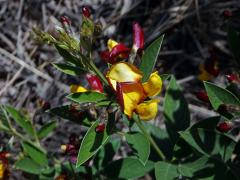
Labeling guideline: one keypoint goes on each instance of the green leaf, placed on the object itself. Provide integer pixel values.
(127, 168)
(87, 97)
(106, 154)
(68, 69)
(140, 144)
(67, 56)
(160, 136)
(234, 41)
(22, 121)
(46, 129)
(175, 108)
(218, 96)
(26, 164)
(188, 169)
(65, 113)
(208, 123)
(165, 171)
(206, 168)
(209, 143)
(165, 76)
(35, 153)
(150, 57)
(4, 125)
(91, 143)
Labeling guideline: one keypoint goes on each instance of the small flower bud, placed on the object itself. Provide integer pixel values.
(138, 37)
(45, 105)
(86, 11)
(100, 128)
(202, 95)
(94, 82)
(227, 13)
(65, 20)
(232, 78)
(224, 126)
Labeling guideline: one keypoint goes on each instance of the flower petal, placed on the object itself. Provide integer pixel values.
(120, 50)
(129, 95)
(2, 170)
(123, 72)
(148, 109)
(154, 85)
(94, 82)
(76, 88)
(138, 37)
(111, 43)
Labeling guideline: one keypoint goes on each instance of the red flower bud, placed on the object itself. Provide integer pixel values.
(94, 82)
(86, 11)
(3, 157)
(105, 55)
(202, 95)
(65, 20)
(224, 126)
(138, 36)
(100, 128)
(227, 14)
(232, 78)
(119, 49)
(45, 105)
(211, 67)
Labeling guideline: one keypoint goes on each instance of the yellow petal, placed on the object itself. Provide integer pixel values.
(148, 110)
(75, 88)
(111, 43)
(154, 85)
(123, 72)
(204, 75)
(131, 94)
(2, 170)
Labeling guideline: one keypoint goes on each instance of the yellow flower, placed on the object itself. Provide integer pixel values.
(76, 88)
(2, 170)
(111, 43)
(126, 81)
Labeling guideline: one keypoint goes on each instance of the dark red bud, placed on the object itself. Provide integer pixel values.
(61, 177)
(65, 20)
(224, 126)
(119, 49)
(45, 105)
(70, 148)
(86, 11)
(105, 55)
(3, 157)
(232, 78)
(138, 36)
(202, 95)
(227, 14)
(100, 128)
(94, 82)
(211, 67)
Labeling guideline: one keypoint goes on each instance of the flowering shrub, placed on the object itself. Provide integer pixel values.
(114, 107)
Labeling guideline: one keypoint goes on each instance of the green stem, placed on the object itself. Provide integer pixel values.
(151, 140)
(34, 131)
(98, 73)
